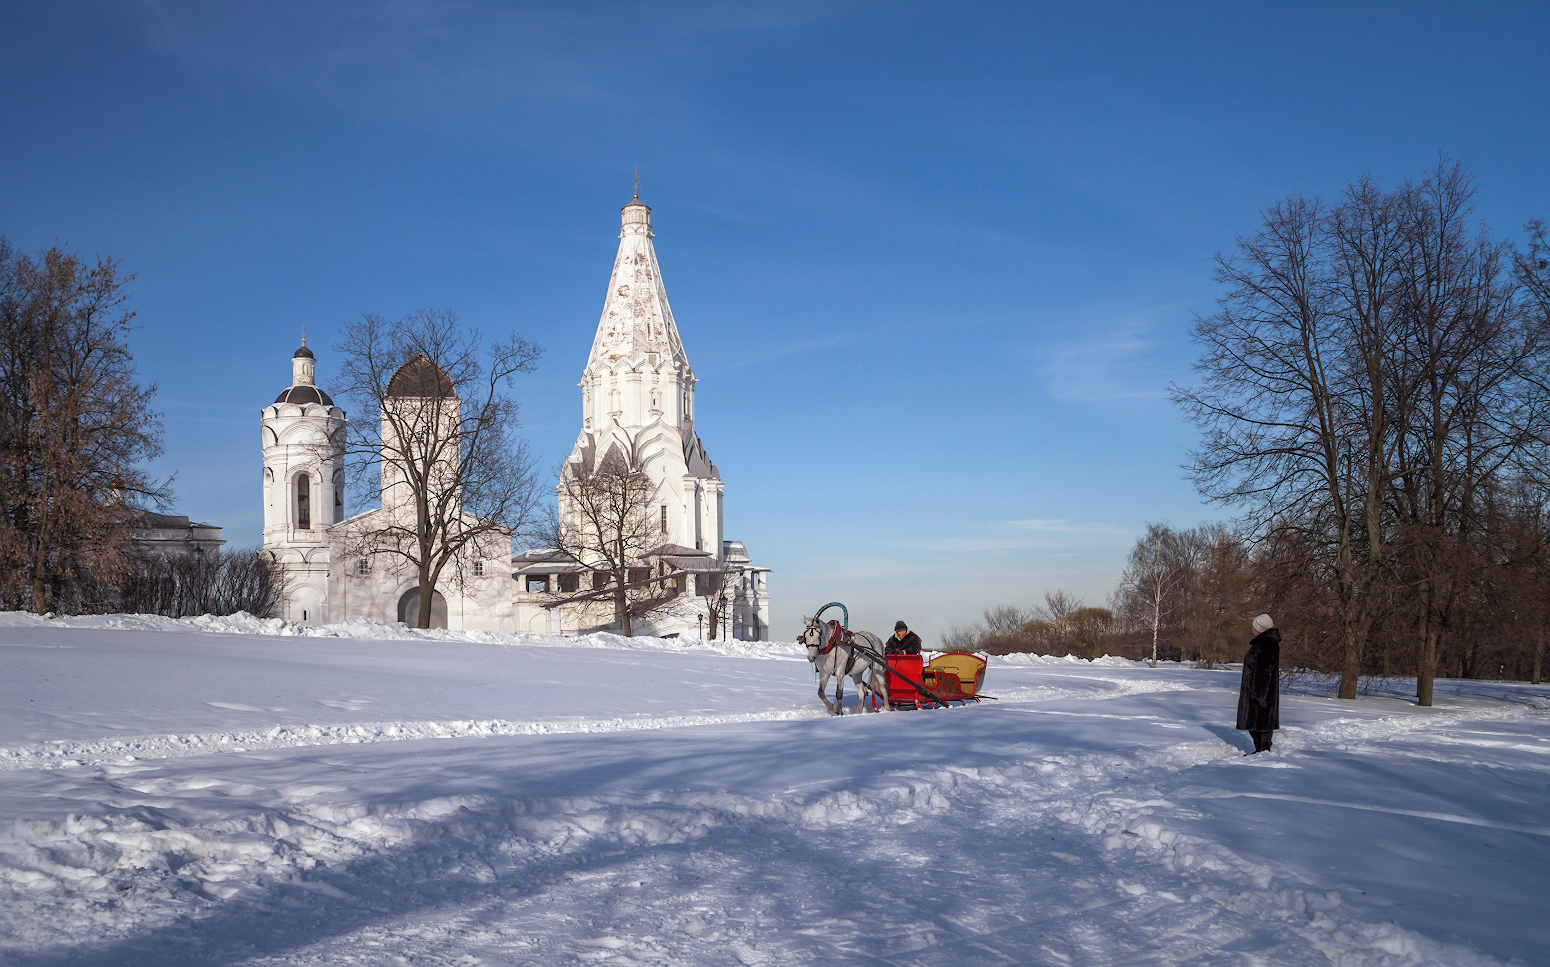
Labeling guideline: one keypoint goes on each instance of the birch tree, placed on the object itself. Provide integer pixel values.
(1151, 578)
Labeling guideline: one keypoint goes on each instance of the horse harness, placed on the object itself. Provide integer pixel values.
(842, 638)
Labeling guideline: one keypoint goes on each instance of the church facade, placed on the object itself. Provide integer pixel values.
(637, 390)
(333, 567)
(637, 395)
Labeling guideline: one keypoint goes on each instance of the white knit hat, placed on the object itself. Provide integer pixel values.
(1263, 624)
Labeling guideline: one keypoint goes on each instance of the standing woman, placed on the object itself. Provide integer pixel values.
(1259, 697)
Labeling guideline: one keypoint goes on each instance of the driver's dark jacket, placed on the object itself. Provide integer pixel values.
(908, 645)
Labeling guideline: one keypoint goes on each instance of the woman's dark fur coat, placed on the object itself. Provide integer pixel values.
(1259, 697)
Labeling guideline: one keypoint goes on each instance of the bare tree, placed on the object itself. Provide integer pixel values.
(1005, 620)
(75, 429)
(1462, 411)
(604, 524)
(1292, 401)
(441, 455)
(1151, 577)
(195, 584)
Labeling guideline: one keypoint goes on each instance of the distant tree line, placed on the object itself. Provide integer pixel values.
(1373, 397)
(76, 430)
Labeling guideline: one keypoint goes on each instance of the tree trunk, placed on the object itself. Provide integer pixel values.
(1539, 652)
(1352, 638)
(622, 605)
(1431, 632)
(427, 594)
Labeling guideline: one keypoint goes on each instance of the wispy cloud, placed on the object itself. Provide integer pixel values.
(755, 353)
(1120, 358)
(1044, 534)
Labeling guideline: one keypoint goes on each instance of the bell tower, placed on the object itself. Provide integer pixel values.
(303, 486)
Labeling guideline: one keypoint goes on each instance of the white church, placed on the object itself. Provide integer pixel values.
(637, 388)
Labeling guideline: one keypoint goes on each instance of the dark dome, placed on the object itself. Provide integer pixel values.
(304, 394)
(421, 379)
(303, 353)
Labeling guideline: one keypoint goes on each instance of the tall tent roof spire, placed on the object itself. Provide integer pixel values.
(636, 316)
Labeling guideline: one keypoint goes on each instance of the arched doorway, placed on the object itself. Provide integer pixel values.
(409, 608)
(306, 606)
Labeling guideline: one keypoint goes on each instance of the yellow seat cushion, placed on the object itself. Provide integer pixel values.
(970, 669)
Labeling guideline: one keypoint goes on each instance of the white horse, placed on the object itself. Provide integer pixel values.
(840, 654)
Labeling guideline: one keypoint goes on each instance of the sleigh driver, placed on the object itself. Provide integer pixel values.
(904, 641)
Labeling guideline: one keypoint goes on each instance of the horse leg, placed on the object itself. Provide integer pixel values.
(839, 694)
(823, 692)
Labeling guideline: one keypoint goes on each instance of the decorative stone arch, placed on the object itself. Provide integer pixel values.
(304, 434)
(409, 607)
(303, 490)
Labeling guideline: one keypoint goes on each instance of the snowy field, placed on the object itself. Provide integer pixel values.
(228, 792)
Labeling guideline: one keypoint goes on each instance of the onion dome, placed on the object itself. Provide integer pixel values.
(303, 394)
(303, 388)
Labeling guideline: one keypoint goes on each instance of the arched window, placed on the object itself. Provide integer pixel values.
(304, 502)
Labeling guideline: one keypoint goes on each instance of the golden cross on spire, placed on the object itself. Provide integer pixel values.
(636, 183)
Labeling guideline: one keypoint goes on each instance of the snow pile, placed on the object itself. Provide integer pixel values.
(341, 800)
(243, 623)
(1106, 661)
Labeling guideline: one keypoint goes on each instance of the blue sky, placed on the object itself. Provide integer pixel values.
(934, 264)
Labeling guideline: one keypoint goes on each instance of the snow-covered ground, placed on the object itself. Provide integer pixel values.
(228, 791)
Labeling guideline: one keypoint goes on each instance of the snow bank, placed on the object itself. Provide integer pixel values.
(1106, 661)
(243, 623)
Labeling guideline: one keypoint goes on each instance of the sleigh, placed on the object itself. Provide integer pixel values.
(953, 678)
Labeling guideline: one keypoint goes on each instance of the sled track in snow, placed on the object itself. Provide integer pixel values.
(66, 754)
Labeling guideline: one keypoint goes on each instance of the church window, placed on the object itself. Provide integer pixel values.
(478, 569)
(304, 502)
(363, 566)
(599, 580)
(536, 583)
(338, 488)
(664, 518)
(570, 582)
